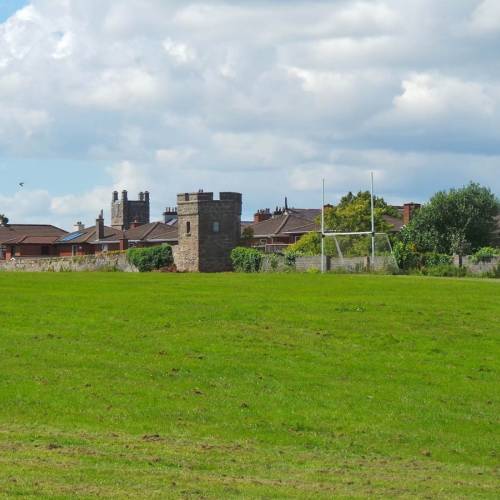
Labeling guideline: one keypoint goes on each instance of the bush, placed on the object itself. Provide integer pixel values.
(406, 256)
(150, 258)
(246, 260)
(291, 258)
(485, 254)
(434, 259)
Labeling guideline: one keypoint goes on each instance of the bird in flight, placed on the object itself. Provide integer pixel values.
(21, 184)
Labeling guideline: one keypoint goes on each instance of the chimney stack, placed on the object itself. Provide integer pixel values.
(135, 223)
(79, 226)
(99, 226)
(115, 196)
(170, 214)
(262, 215)
(409, 210)
(124, 195)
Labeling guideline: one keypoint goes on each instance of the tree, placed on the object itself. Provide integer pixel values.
(353, 214)
(3, 220)
(454, 221)
(247, 235)
(459, 245)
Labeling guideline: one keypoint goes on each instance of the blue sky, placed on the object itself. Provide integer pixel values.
(265, 98)
(8, 7)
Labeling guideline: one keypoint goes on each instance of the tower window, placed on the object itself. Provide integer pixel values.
(216, 227)
(188, 227)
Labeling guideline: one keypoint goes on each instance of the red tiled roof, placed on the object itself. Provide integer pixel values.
(20, 233)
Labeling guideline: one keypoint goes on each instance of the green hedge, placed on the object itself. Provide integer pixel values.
(485, 254)
(150, 258)
(246, 260)
(408, 258)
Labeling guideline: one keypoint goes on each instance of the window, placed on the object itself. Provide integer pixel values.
(188, 227)
(45, 251)
(74, 250)
(216, 227)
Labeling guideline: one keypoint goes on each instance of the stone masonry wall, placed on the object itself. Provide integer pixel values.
(104, 262)
(480, 267)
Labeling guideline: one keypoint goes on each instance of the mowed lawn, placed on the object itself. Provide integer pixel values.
(267, 386)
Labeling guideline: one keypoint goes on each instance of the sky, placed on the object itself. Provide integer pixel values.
(260, 97)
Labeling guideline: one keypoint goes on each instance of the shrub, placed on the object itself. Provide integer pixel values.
(406, 256)
(291, 258)
(151, 258)
(246, 260)
(274, 262)
(485, 254)
(434, 259)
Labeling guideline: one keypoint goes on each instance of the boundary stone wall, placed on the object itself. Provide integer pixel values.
(479, 267)
(103, 262)
(349, 264)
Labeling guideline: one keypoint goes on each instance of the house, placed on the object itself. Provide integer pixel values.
(101, 238)
(89, 241)
(130, 226)
(273, 232)
(28, 240)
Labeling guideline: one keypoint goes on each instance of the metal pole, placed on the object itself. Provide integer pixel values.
(373, 225)
(323, 231)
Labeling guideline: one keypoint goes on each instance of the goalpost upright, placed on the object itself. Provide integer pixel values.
(323, 231)
(373, 226)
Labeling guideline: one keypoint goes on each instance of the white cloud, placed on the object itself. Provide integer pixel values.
(118, 89)
(486, 17)
(181, 53)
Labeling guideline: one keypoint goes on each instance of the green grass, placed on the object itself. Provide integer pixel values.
(270, 386)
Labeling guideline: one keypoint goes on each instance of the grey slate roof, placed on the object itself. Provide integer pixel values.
(153, 232)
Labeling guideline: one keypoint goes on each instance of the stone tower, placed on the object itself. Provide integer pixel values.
(208, 230)
(125, 212)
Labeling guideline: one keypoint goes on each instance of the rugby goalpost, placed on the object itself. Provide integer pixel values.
(334, 234)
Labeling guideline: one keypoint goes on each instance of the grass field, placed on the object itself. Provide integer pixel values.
(272, 386)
